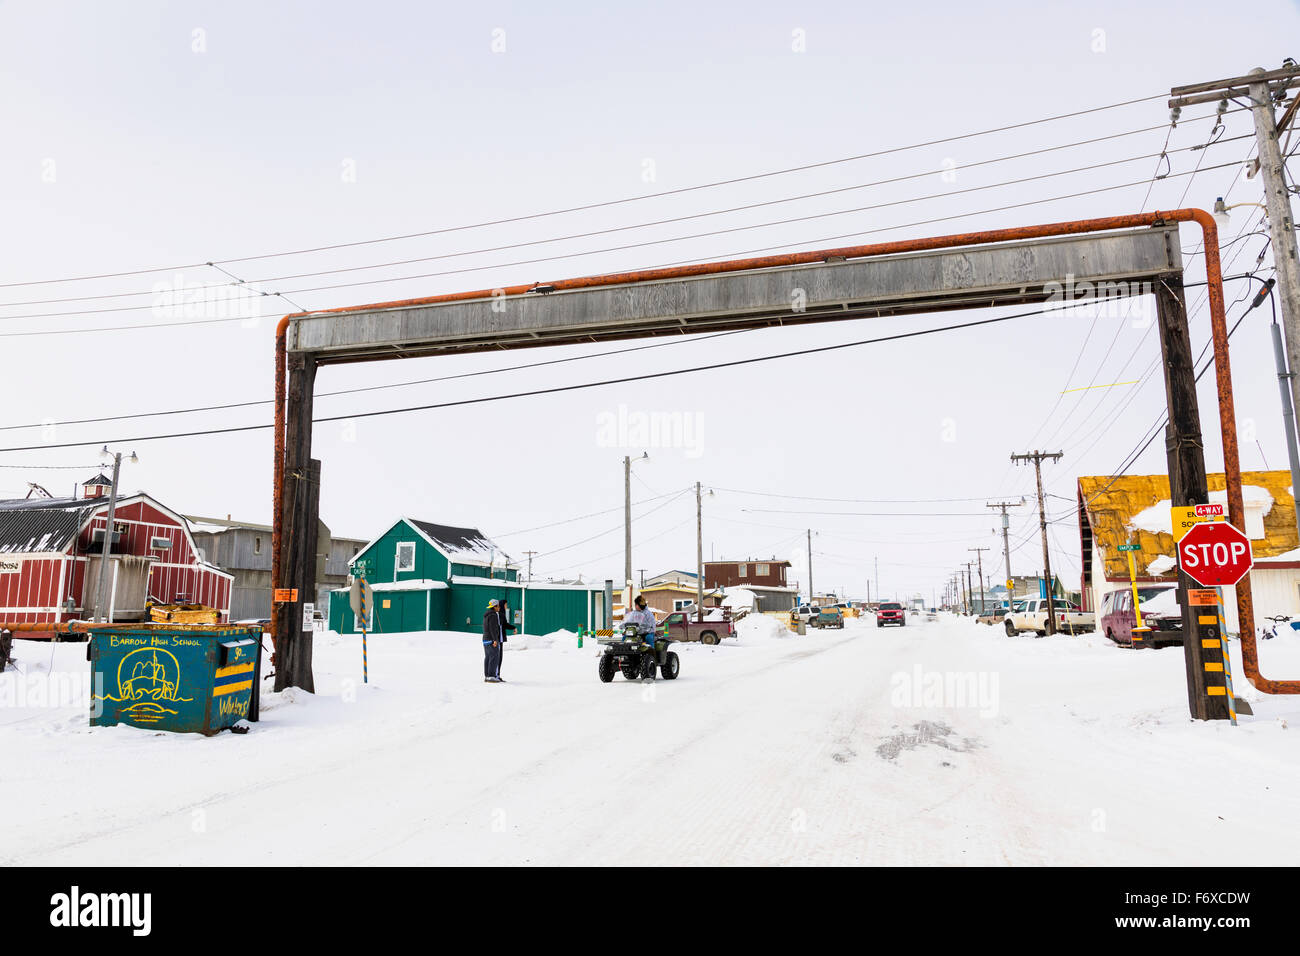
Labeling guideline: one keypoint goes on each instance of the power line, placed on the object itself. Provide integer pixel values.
(553, 390)
(375, 388)
(595, 205)
(633, 226)
(636, 245)
(593, 514)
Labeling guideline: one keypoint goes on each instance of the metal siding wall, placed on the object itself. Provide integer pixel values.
(553, 610)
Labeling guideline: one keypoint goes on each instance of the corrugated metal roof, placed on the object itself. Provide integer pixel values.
(1113, 503)
(45, 525)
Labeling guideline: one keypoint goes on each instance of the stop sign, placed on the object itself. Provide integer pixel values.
(1215, 554)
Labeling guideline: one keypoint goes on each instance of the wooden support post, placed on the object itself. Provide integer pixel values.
(301, 506)
(1188, 486)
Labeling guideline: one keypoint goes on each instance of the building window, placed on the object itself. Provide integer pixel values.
(405, 556)
(679, 605)
(742, 570)
(257, 544)
(762, 570)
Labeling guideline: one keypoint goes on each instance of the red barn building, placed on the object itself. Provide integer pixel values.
(50, 554)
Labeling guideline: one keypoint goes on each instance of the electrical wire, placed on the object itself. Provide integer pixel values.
(625, 228)
(595, 205)
(234, 429)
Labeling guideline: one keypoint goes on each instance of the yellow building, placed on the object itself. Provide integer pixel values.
(1135, 509)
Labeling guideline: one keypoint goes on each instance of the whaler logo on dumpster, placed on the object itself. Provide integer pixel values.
(147, 680)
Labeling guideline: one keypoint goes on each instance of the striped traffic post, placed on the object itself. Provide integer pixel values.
(1227, 659)
(365, 618)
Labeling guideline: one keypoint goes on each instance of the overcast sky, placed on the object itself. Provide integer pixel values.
(152, 135)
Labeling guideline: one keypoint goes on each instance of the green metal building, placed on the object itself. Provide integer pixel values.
(433, 577)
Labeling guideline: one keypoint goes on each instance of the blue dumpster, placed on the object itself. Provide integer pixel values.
(182, 678)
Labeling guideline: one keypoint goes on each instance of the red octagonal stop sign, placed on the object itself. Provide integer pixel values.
(1215, 554)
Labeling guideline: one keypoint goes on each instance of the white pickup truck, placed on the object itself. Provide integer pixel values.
(1032, 616)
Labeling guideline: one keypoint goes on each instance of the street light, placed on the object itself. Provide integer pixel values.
(102, 587)
(1221, 211)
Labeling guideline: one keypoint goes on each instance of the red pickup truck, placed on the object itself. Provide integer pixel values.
(682, 626)
(891, 612)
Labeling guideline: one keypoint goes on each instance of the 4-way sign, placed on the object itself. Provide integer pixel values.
(1215, 554)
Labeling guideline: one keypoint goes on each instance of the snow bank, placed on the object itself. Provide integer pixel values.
(1161, 564)
(739, 599)
(1166, 602)
(755, 628)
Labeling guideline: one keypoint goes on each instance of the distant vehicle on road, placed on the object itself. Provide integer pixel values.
(1032, 616)
(890, 612)
(993, 614)
(1160, 612)
(832, 616)
(932, 614)
(803, 615)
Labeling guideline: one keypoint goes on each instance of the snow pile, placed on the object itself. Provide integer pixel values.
(540, 642)
(1166, 602)
(755, 628)
(1160, 565)
(739, 599)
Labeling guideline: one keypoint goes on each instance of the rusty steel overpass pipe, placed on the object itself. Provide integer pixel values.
(1218, 324)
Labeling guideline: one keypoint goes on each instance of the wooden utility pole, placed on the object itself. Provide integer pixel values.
(699, 554)
(810, 584)
(1262, 89)
(1006, 538)
(1187, 486)
(1037, 458)
(970, 591)
(979, 557)
(301, 506)
(627, 532)
(530, 563)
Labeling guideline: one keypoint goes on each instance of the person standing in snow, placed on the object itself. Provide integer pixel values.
(492, 644)
(503, 609)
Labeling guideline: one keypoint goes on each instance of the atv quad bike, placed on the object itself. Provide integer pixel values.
(626, 653)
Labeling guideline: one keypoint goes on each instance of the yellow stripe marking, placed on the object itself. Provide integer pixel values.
(1218, 691)
(1209, 642)
(1208, 619)
(1210, 666)
(231, 688)
(234, 669)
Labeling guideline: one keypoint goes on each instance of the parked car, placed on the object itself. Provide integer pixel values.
(1032, 616)
(803, 615)
(680, 626)
(890, 612)
(993, 614)
(832, 616)
(1160, 612)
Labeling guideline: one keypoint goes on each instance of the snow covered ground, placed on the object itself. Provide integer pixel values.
(936, 743)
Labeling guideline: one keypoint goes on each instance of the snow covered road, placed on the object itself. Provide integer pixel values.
(932, 744)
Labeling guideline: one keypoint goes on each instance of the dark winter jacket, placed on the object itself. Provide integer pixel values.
(491, 626)
(506, 626)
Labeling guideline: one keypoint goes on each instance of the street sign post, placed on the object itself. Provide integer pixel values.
(361, 598)
(1215, 554)
(1140, 630)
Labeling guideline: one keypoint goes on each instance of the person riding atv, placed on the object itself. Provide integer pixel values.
(636, 651)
